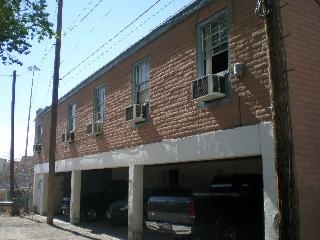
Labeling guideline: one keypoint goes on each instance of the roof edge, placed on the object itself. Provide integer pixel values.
(162, 28)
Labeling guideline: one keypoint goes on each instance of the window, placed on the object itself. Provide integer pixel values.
(213, 52)
(72, 117)
(141, 82)
(99, 104)
(38, 133)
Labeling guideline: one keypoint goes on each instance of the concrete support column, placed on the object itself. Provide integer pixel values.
(36, 194)
(43, 191)
(269, 183)
(75, 197)
(135, 202)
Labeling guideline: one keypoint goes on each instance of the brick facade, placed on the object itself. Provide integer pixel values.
(173, 65)
(301, 24)
(173, 114)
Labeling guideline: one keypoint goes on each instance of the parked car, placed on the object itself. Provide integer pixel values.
(66, 206)
(94, 205)
(232, 210)
(117, 212)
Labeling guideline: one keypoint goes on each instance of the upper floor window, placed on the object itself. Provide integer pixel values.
(38, 133)
(99, 101)
(212, 84)
(141, 81)
(72, 117)
(213, 36)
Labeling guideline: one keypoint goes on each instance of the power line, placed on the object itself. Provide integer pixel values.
(103, 53)
(102, 46)
(83, 18)
(46, 52)
(6, 75)
(89, 32)
(71, 27)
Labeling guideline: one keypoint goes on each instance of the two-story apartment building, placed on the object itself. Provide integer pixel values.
(195, 98)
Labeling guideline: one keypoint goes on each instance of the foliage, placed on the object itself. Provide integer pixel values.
(21, 21)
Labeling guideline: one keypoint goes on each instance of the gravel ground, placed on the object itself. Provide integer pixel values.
(34, 227)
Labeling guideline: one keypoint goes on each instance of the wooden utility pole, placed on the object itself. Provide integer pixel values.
(30, 68)
(53, 122)
(14, 210)
(284, 149)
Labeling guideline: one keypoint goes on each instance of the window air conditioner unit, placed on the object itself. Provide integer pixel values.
(208, 88)
(64, 137)
(67, 137)
(70, 137)
(95, 128)
(37, 148)
(136, 113)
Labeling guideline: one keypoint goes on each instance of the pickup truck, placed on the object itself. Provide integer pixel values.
(232, 210)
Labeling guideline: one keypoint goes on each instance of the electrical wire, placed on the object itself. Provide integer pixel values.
(89, 32)
(72, 26)
(111, 39)
(119, 41)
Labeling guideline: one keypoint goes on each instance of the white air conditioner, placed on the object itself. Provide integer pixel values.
(136, 113)
(95, 128)
(209, 87)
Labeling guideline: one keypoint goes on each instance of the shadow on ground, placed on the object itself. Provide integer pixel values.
(115, 231)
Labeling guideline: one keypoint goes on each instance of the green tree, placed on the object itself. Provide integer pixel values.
(21, 21)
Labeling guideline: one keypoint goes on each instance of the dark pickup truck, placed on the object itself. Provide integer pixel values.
(232, 210)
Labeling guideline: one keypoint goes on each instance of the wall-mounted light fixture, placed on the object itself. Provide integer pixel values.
(238, 69)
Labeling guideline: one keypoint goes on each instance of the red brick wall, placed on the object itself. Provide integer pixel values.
(301, 23)
(173, 113)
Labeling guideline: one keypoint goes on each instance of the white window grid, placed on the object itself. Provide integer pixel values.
(38, 137)
(141, 77)
(72, 118)
(215, 36)
(99, 104)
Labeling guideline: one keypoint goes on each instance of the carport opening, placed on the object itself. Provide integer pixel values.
(197, 175)
(203, 177)
(101, 188)
(62, 190)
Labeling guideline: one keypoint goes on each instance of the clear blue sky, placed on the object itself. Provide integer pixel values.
(95, 32)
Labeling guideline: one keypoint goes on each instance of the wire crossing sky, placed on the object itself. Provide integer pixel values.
(94, 33)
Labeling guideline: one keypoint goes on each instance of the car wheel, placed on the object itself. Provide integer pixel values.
(89, 214)
(225, 230)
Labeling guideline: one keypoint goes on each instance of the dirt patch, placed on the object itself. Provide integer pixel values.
(34, 227)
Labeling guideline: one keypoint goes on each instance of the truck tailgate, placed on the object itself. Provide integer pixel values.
(171, 209)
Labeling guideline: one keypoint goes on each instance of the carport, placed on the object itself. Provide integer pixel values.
(167, 162)
(197, 176)
(184, 174)
(93, 184)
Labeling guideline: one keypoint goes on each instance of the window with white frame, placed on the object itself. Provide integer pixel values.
(38, 133)
(99, 101)
(141, 81)
(72, 117)
(213, 52)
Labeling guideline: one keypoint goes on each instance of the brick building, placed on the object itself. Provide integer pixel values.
(148, 118)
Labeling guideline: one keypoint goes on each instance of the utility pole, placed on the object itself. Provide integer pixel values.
(14, 210)
(289, 227)
(53, 121)
(30, 68)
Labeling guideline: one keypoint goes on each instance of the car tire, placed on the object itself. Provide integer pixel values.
(89, 214)
(225, 230)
